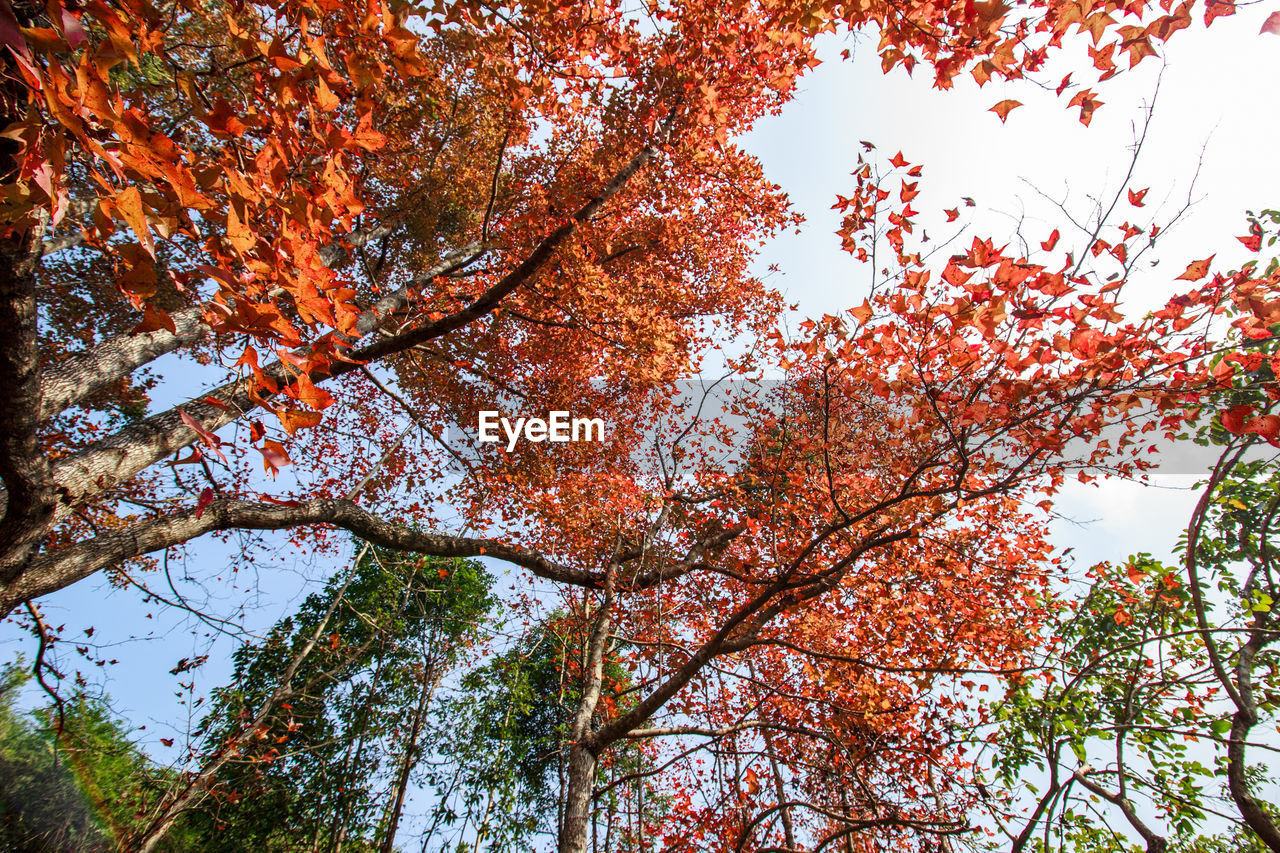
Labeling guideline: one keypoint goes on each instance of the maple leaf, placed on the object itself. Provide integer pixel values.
(898, 160)
(295, 419)
(238, 232)
(1214, 9)
(129, 203)
(1197, 270)
(1003, 108)
(1087, 102)
(325, 99)
(154, 319)
(1135, 198)
(274, 456)
(206, 498)
(1253, 241)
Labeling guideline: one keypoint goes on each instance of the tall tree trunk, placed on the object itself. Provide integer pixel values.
(28, 500)
(575, 836)
(407, 763)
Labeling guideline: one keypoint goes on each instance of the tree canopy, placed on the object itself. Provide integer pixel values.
(355, 226)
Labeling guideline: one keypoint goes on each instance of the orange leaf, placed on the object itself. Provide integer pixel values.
(1197, 270)
(1003, 108)
(1218, 9)
(325, 99)
(154, 319)
(129, 203)
(307, 392)
(295, 419)
(273, 456)
(242, 239)
(1085, 100)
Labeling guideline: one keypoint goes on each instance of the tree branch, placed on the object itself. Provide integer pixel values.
(49, 572)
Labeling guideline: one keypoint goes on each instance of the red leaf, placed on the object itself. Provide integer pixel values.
(952, 214)
(1135, 198)
(1254, 241)
(1218, 9)
(898, 160)
(1197, 270)
(72, 29)
(1267, 426)
(256, 431)
(1271, 24)
(1233, 418)
(11, 32)
(206, 498)
(1063, 85)
(1048, 245)
(207, 437)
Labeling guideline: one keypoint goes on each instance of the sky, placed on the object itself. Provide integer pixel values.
(1214, 120)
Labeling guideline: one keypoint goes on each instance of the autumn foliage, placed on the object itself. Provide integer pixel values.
(357, 224)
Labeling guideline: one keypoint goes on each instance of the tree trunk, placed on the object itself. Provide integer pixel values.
(575, 834)
(406, 765)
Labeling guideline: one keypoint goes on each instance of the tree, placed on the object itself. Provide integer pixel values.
(299, 744)
(72, 777)
(502, 742)
(457, 187)
(583, 259)
(1161, 678)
